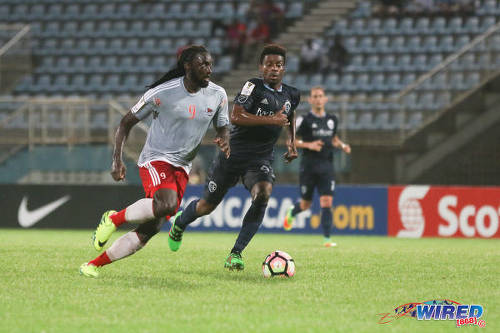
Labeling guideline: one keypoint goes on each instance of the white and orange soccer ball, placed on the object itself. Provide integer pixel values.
(278, 263)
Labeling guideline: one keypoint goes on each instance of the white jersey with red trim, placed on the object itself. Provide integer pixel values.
(180, 120)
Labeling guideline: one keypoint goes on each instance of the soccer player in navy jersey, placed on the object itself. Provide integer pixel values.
(262, 107)
(318, 132)
(183, 104)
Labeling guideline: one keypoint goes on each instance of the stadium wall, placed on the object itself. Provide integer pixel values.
(400, 211)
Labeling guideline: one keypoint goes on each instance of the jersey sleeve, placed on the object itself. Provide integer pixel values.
(335, 124)
(247, 96)
(145, 106)
(299, 126)
(295, 99)
(221, 118)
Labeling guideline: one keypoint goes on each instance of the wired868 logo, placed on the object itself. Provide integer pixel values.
(444, 309)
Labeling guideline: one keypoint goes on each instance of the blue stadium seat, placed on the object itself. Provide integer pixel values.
(430, 44)
(435, 59)
(382, 44)
(472, 25)
(438, 26)
(332, 82)
(455, 25)
(389, 63)
(461, 41)
(390, 26)
(192, 10)
(413, 44)
(404, 62)
(295, 10)
(378, 82)
(357, 27)
(420, 62)
(393, 82)
(224, 64)
(356, 64)
(374, 26)
(422, 26)
(398, 44)
(488, 7)
(487, 22)
(446, 44)
(406, 26)
(366, 44)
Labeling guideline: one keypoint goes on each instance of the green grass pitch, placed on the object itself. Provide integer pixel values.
(335, 290)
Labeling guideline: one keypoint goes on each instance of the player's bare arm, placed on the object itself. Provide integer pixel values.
(337, 143)
(222, 140)
(291, 153)
(118, 169)
(241, 117)
(316, 145)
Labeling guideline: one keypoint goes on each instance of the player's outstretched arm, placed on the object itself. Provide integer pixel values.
(291, 153)
(241, 117)
(118, 169)
(222, 140)
(337, 143)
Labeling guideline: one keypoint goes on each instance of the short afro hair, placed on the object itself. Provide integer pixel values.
(272, 49)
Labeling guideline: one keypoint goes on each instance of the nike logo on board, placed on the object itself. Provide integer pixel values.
(29, 218)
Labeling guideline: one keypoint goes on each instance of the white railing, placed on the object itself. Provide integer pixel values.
(15, 55)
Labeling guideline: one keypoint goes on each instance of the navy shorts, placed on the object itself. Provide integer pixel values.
(225, 173)
(320, 176)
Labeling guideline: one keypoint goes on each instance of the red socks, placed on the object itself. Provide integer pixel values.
(102, 260)
(118, 218)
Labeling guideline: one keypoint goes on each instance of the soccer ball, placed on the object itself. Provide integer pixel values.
(278, 263)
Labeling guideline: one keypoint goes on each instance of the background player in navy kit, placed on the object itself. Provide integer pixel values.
(318, 131)
(183, 104)
(261, 109)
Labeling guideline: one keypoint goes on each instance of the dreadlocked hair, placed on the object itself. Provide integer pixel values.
(187, 55)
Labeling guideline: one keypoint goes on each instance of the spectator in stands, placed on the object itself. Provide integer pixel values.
(258, 36)
(236, 37)
(389, 7)
(310, 57)
(273, 16)
(337, 56)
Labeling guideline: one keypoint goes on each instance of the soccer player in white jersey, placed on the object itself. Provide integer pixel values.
(182, 103)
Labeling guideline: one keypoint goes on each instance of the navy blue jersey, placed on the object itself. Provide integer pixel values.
(311, 128)
(259, 99)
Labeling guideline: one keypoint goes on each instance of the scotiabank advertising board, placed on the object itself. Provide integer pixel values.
(430, 211)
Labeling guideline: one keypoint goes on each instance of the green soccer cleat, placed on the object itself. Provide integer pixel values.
(289, 218)
(104, 230)
(89, 270)
(327, 242)
(175, 234)
(234, 261)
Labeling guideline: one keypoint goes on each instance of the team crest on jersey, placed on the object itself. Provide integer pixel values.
(314, 125)
(209, 111)
(265, 169)
(157, 101)
(212, 186)
(288, 106)
(329, 123)
(303, 189)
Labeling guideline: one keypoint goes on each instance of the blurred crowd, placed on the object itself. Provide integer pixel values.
(315, 58)
(262, 22)
(423, 7)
